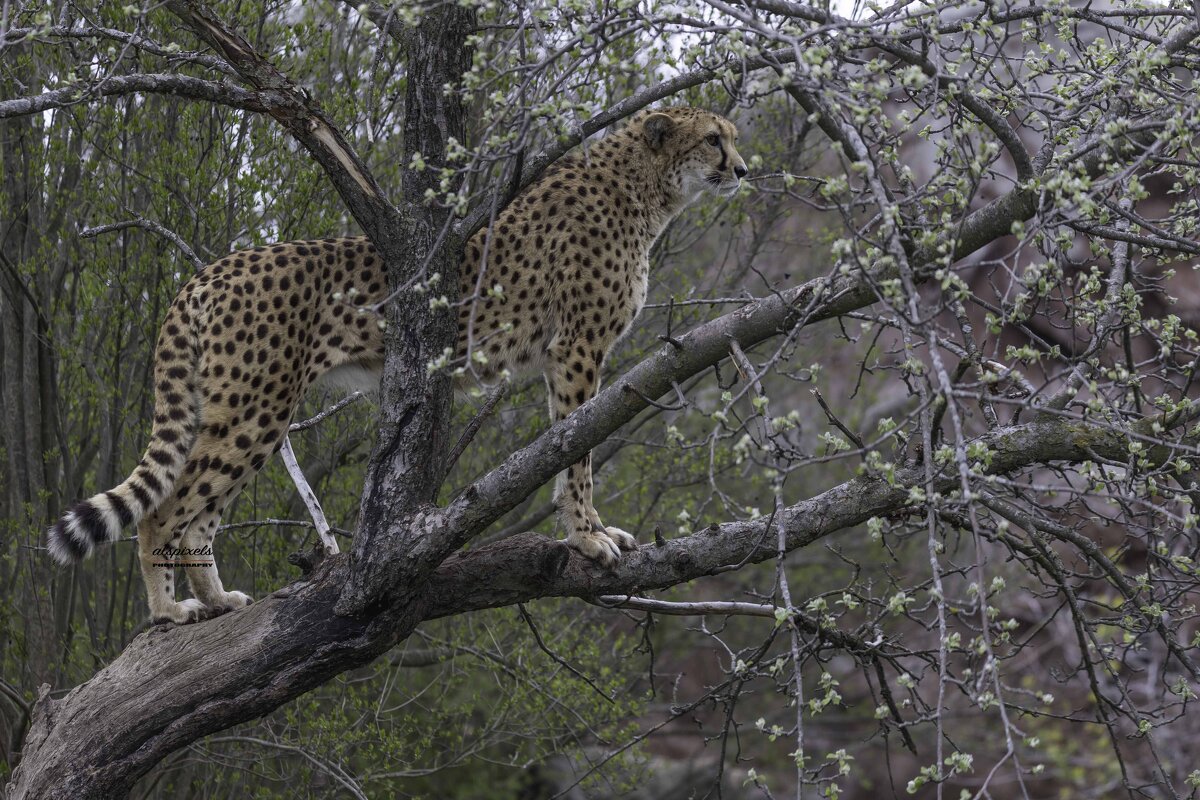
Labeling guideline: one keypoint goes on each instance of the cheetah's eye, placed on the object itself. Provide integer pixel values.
(713, 139)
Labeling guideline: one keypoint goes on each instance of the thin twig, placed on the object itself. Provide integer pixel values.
(650, 401)
(559, 659)
(333, 409)
(854, 437)
(474, 425)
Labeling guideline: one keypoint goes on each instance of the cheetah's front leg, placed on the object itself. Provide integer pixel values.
(585, 532)
(572, 377)
(623, 539)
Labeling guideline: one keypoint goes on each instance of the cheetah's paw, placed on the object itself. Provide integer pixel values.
(182, 613)
(624, 540)
(230, 601)
(595, 546)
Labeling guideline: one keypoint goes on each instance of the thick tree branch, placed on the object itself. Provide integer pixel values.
(515, 570)
(414, 434)
(291, 641)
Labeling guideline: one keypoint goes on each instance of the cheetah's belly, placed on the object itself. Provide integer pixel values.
(353, 377)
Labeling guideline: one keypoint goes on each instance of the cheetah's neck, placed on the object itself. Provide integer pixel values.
(652, 190)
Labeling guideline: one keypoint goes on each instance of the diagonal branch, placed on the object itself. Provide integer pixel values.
(299, 114)
(522, 567)
(152, 226)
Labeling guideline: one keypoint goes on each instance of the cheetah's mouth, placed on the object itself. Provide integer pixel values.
(725, 188)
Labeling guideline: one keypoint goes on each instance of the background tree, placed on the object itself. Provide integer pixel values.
(915, 406)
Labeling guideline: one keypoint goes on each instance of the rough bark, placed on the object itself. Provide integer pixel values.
(404, 472)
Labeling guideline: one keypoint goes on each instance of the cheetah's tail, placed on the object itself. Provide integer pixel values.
(102, 517)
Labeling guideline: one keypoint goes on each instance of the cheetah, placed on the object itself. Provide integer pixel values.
(250, 333)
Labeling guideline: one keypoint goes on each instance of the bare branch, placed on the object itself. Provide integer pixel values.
(16, 35)
(152, 226)
(695, 609)
(121, 85)
(318, 418)
(308, 496)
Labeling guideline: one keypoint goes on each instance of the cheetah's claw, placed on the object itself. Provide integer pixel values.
(596, 546)
(232, 601)
(183, 612)
(624, 540)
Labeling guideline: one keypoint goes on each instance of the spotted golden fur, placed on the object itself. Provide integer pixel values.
(248, 335)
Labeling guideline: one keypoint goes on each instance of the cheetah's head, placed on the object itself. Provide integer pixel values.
(701, 148)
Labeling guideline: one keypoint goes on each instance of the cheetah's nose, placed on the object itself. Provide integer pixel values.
(740, 172)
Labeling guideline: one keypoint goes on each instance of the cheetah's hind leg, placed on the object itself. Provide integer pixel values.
(158, 572)
(202, 571)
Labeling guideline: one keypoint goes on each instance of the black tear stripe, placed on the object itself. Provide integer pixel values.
(724, 161)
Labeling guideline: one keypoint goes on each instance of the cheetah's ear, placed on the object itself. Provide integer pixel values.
(656, 128)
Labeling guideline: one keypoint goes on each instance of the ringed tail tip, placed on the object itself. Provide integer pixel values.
(81, 528)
